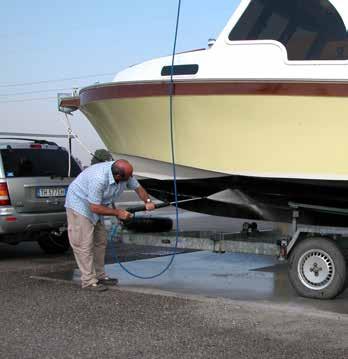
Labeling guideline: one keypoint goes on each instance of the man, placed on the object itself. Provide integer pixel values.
(88, 199)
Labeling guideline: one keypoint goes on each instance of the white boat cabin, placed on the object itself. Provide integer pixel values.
(265, 40)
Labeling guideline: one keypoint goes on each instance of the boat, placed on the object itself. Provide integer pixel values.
(260, 116)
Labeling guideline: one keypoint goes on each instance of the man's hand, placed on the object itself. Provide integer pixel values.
(143, 195)
(150, 206)
(123, 215)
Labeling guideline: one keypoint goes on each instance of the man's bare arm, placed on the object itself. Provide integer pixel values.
(107, 211)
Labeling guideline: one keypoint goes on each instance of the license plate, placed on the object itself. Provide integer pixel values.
(51, 192)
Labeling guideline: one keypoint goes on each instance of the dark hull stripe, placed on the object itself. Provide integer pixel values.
(134, 90)
(259, 198)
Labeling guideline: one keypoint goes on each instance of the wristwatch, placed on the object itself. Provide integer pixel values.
(148, 200)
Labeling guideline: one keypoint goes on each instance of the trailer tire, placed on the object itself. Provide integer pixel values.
(317, 268)
(51, 243)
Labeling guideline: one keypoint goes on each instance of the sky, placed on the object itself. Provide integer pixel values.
(46, 41)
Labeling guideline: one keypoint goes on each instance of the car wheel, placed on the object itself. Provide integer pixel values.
(53, 244)
(317, 268)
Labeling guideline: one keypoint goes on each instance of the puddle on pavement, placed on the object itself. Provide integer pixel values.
(231, 275)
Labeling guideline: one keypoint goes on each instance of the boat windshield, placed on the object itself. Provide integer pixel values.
(309, 29)
(342, 7)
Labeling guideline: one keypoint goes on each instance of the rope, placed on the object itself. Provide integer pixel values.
(72, 134)
(69, 143)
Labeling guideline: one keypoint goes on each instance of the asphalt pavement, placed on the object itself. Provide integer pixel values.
(54, 319)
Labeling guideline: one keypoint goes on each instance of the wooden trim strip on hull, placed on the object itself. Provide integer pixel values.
(134, 90)
(72, 103)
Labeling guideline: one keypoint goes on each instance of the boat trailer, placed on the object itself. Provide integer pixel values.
(317, 255)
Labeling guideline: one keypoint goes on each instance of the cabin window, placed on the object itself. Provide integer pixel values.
(180, 70)
(309, 29)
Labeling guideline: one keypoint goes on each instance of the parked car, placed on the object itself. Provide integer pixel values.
(33, 185)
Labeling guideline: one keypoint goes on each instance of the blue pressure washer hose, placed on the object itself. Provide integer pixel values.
(115, 228)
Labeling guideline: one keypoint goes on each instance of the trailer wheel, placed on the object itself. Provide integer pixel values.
(51, 243)
(317, 268)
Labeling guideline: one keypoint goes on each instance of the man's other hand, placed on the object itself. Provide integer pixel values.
(150, 206)
(123, 215)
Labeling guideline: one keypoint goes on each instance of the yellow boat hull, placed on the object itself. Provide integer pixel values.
(258, 135)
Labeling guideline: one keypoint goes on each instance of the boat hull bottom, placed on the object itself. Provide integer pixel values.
(320, 202)
(245, 197)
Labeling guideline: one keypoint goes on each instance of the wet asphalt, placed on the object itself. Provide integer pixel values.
(236, 276)
(56, 319)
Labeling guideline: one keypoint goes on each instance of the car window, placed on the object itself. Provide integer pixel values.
(37, 163)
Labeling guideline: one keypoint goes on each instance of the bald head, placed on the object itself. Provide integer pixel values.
(122, 170)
